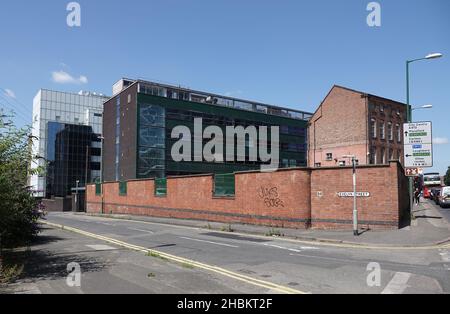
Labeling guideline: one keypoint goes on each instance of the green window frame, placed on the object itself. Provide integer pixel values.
(123, 188)
(161, 187)
(224, 185)
(98, 189)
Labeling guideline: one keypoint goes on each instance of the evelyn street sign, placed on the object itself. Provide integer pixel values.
(418, 145)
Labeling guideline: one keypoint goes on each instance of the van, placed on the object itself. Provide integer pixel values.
(444, 198)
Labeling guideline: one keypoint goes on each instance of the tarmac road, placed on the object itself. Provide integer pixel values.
(287, 265)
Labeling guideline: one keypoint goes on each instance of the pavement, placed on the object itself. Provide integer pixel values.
(429, 227)
(109, 269)
(199, 259)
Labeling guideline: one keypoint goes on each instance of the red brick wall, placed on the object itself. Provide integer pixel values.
(381, 210)
(287, 198)
(285, 201)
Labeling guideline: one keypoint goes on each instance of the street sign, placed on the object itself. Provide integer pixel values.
(420, 155)
(413, 172)
(351, 194)
(418, 149)
(417, 133)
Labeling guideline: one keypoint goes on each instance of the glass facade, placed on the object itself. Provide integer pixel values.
(157, 117)
(166, 91)
(68, 157)
(151, 141)
(67, 108)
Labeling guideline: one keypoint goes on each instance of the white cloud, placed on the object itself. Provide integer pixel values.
(440, 141)
(10, 93)
(62, 77)
(233, 93)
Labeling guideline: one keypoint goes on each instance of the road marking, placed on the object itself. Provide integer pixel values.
(302, 248)
(146, 231)
(105, 223)
(247, 279)
(217, 243)
(101, 247)
(398, 284)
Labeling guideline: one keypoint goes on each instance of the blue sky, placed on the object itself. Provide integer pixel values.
(287, 53)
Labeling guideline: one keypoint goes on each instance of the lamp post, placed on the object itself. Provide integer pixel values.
(355, 209)
(102, 139)
(76, 195)
(409, 110)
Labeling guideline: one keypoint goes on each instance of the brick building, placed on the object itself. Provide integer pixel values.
(350, 122)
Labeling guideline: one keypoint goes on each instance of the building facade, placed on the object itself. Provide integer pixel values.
(140, 117)
(67, 129)
(350, 122)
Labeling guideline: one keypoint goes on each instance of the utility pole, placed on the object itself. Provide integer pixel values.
(355, 209)
(409, 117)
(76, 195)
(86, 173)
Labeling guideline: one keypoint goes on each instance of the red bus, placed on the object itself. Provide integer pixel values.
(429, 181)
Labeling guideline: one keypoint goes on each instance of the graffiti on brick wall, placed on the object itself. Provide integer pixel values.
(270, 196)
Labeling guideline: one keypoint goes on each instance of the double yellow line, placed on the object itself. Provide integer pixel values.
(182, 260)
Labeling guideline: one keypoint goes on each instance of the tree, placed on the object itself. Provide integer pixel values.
(18, 214)
(447, 177)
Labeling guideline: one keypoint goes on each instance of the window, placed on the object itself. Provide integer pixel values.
(224, 185)
(373, 156)
(98, 189)
(391, 154)
(373, 128)
(342, 163)
(390, 132)
(329, 156)
(382, 131)
(383, 156)
(123, 188)
(399, 133)
(161, 187)
(317, 165)
(129, 98)
(381, 108)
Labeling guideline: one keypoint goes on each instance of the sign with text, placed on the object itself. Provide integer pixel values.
(417, 133)
(351, 194)
(418, 147)
(412, 172)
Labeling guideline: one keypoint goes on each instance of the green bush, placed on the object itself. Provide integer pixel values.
(18, 208)
(447, 177)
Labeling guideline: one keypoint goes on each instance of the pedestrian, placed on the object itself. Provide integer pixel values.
(417, 196)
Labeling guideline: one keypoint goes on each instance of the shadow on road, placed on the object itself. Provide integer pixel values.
(48, 264)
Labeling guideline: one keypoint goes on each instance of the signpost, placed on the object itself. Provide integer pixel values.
(418, 145)
(413, 172)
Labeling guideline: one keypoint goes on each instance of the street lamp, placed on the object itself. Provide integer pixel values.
(76, 195)
(102, 139)
(422, 107)
(355, 210)
(409, 109)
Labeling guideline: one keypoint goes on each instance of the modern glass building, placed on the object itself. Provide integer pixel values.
(70, 157)
(67, 126)
(140, 117)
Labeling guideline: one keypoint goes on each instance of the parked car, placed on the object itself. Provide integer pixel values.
(436, 194)
(444, 198)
